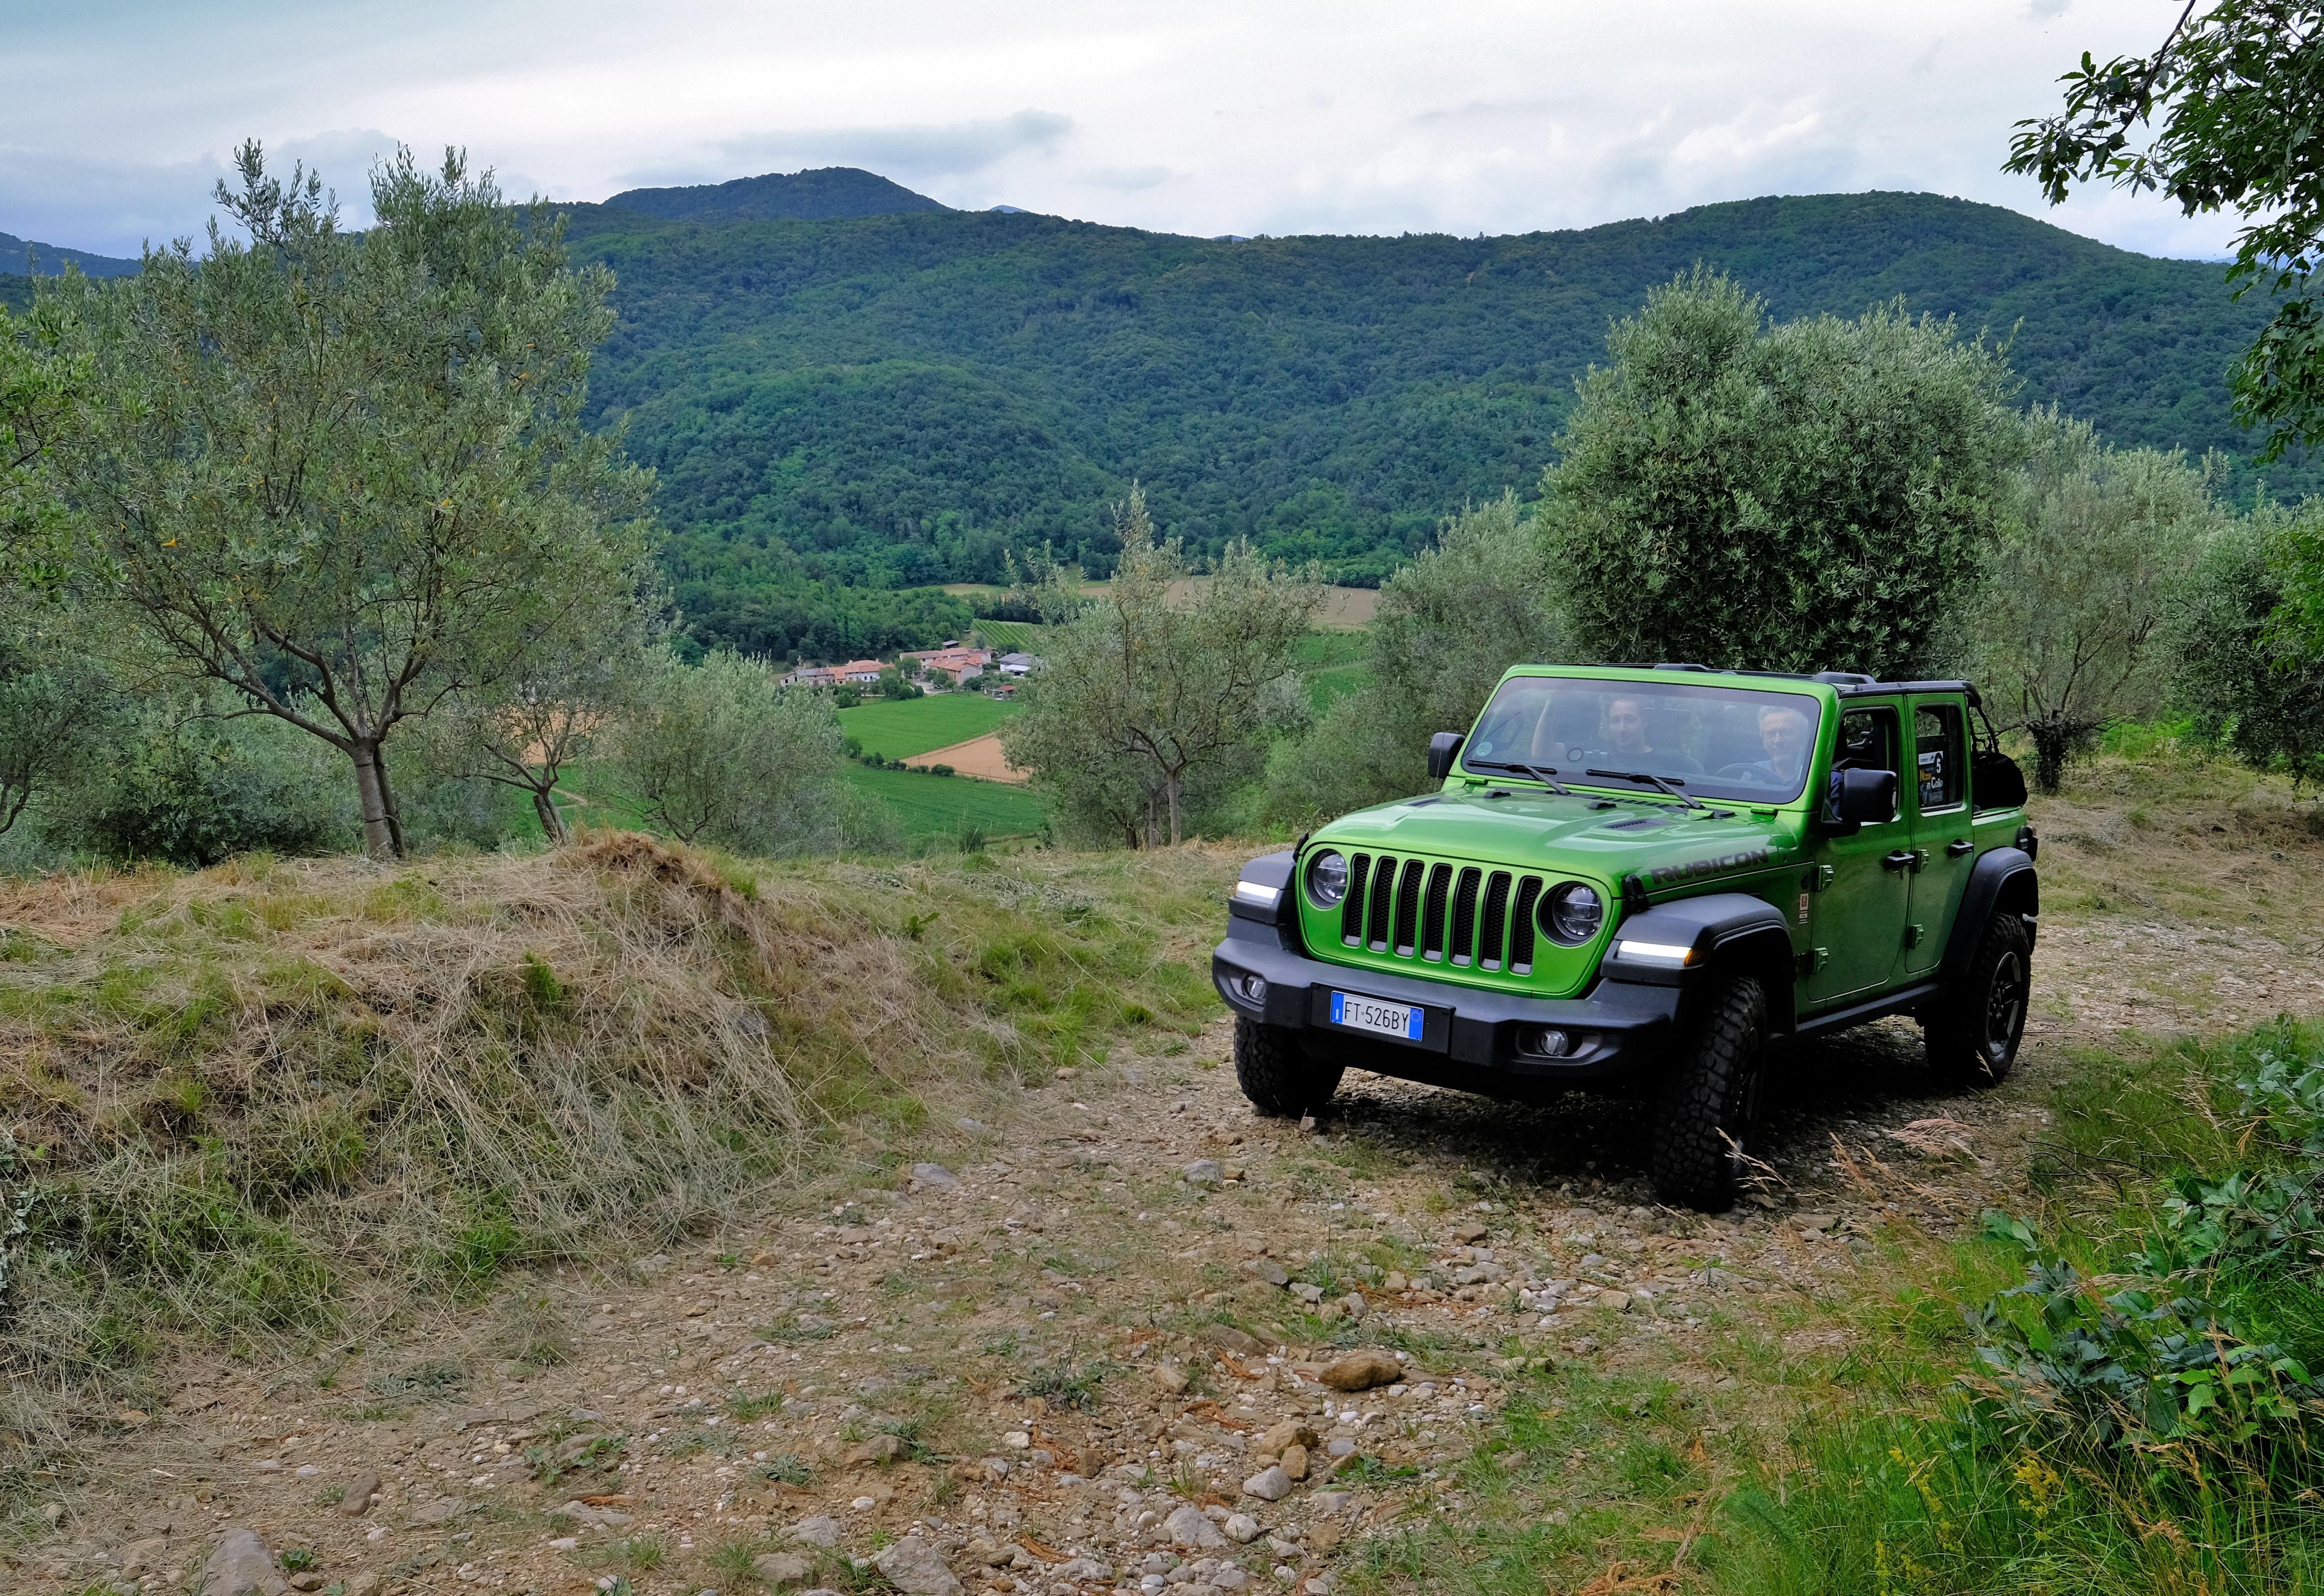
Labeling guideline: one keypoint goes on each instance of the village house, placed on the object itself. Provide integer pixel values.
(956, 664)
(811, 676)
(858, 673)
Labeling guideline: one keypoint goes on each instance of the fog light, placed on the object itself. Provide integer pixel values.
(1551, 1043)
(1251, 989)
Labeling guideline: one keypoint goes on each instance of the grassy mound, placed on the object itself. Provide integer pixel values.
(243, 1101)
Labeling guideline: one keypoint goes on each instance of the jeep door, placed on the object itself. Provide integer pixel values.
(1856, 923)
(1944, 850)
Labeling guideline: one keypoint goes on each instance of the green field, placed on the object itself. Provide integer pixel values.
(933, 807)
(899, 730)
(1332, 662)
(1011, 637)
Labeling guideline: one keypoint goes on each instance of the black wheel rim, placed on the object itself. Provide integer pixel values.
(2005, 1008)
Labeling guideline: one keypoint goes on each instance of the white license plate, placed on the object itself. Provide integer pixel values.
(1357, 1012)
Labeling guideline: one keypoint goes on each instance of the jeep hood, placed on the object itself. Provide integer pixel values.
(1528, 829)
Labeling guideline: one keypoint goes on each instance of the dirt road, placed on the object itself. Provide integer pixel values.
(1090, 1344)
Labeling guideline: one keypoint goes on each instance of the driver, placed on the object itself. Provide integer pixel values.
(1783, 733)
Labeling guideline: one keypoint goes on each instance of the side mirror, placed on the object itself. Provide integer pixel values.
(1443, 748)
(1863, 798)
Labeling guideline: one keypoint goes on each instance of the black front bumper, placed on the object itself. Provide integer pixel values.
(1472, 1038)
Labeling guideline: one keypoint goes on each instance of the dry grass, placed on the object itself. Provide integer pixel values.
(250, 1098)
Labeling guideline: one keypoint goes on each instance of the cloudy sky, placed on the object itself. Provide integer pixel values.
(1201, 117)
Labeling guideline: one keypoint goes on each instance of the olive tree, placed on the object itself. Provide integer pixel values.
(348, 477)
(1813, 495)
(2250, 683)
(526, 732)
(1480, 599)
(56, 699)
(1162, 687)
(2067, 625)
(722, 753)
(2222, 116)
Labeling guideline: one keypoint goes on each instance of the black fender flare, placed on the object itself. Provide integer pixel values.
(1719, 931)
(2004, 882)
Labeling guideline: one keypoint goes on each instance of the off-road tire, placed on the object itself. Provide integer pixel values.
(1709, 1105)
(1275, 1073)
(1975, 1025)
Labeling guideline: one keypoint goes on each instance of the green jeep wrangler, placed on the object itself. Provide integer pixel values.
(1636, 878)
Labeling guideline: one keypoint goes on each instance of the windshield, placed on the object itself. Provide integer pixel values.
(1709, 741)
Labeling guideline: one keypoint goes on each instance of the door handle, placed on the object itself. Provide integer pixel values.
(1902, 859)
(1959, 847)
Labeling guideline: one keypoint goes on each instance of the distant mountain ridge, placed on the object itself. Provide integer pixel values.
(897, 400)
(823, 194)
(845, 404)
(19, 257)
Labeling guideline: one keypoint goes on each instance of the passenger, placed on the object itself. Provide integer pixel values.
(1625, 722)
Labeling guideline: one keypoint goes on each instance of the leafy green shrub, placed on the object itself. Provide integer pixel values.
(192, 791)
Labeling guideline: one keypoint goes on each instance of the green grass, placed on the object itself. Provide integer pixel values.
(933, 807)
(900, 730)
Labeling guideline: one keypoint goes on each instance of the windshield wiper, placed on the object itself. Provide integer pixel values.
(1545, 774)
(1687, 799)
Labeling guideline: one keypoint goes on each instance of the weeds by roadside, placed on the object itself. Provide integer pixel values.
(2141, 1412)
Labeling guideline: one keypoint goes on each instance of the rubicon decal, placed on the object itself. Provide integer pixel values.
(1670, 874)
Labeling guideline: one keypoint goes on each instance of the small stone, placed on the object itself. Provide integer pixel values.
(1619, 1301)
(822, 1530)
(1305, 1292)
(307, 1581)
(916, 1568)
(1341, 1446)
(1353, 1304)
(782, 1568)
(357, 1502)
(1815, 1221)
(138, 1556)
(1204, 1172)
(1330, 1501)
(1240, 1342)
(366, 1583)
(1290, 1433)
(1240, 1528)
(443, 1510)
(1468, 1233)
(1396, 1281)
(1295, 1462)
(1268, 1485)
(1322, 1538)
(1361, 1371)
(1268, 1270)
(1169, 1379)
(653, 1264)
(879, 1450)
(1017, 1439)
(1187, 1527)
(932, 1178)
(241, 1562)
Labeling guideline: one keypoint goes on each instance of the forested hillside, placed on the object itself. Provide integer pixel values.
(900, 397)
(841, 404)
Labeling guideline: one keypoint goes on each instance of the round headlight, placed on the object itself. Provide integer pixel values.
(1327, 879)
(1573, 913)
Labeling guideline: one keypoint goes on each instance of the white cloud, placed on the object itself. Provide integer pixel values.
(1200, 116)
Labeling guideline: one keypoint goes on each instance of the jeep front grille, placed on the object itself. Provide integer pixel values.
(1411, 909)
